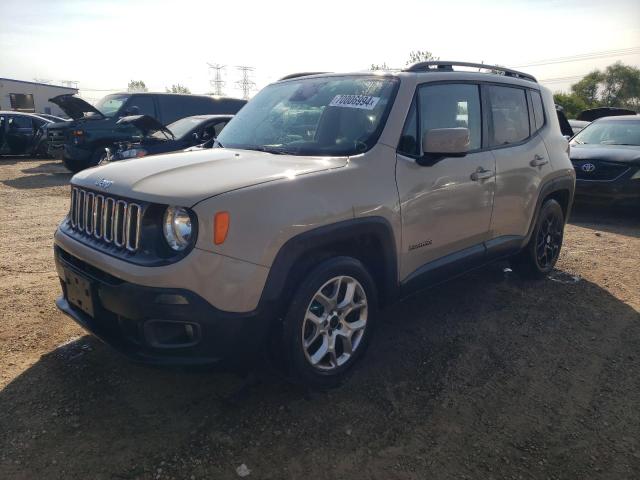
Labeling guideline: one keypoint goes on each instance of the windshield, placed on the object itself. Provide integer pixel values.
(110, 104)
(313, 116)
(181, 127)
(613, 132)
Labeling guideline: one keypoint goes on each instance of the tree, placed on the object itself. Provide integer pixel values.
(421, 56)
(381, 66)
(617, 86)
(571, 103)
(137, 86)
(177, 88)
(587, 88)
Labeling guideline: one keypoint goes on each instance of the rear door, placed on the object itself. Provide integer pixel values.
(521, 157)
(445, 207)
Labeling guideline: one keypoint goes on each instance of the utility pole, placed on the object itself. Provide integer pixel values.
(217, 83)
(245, 83)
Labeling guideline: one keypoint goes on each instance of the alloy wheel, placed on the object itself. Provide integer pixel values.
(548, 241)
(334, 323)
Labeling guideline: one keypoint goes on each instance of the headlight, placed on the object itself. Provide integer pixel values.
(134, 153)
(177, 228)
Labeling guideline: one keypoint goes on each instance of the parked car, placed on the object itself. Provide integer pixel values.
(326, 198)
(606, 158)
(595, 113)
(156, 138)
(22, 133)
(80, 143)
(53, 118)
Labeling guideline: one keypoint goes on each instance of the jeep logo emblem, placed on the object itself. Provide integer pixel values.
(588, 167)
(104, 183)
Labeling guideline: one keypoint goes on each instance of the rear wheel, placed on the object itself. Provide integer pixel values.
(541, 253)
(330, 321)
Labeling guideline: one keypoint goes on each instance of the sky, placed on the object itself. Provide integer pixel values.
(103, 44)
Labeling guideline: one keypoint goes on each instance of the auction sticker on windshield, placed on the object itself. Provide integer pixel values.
(365, 102)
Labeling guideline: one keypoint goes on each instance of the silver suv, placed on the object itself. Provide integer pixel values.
(330, 196)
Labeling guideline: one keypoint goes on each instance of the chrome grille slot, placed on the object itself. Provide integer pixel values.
(88, 212)
(98, 204)
(107, 219)
(119, 219)
(74, 207)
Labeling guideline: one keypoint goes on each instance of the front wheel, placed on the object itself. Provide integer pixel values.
(541, 253)
(330, 321)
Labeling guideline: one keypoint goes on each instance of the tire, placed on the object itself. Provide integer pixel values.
(313, 324)
(76, 166)
(540, 255)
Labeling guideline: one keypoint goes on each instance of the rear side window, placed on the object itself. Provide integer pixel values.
(509, 115)
(144, 103)
(451, 106)
(538, 111)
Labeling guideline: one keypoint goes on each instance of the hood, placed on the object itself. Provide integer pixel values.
(146, 124)
(75, 107)
(186, 178)
(596, 113)
(612, 153)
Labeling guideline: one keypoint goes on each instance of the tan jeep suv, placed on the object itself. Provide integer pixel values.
(330, 196)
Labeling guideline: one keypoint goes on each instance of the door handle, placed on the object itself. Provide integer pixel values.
(538, 161)
(482, 174)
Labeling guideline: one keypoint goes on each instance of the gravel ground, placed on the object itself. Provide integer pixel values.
(508, 380)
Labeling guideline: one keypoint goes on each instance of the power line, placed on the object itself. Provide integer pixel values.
(217, 83)
(583, 56)
(245, 83)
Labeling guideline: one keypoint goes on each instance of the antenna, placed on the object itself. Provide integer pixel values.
(245, 83)
(217, 83)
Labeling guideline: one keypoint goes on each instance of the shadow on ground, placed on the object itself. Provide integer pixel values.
(49, 173)
(620, 220)
(482, 375)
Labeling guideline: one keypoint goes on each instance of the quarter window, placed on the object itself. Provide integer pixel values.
(451, 106)
(538, 111)
(409, 139)
(509, 115)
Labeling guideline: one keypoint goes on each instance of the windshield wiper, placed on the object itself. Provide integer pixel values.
(269, 149)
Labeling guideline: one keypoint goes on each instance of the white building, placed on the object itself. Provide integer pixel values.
(31, 96)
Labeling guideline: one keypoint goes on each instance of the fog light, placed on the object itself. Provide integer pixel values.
(171, 334)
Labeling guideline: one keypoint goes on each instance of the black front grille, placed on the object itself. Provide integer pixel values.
(599, 170)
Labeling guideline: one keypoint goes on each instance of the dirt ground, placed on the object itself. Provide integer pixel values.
(486, 377)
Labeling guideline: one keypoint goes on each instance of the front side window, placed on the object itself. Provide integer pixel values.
(313, 116)
(610, 132)
(110, 104)
(451, 106)
(509, 115)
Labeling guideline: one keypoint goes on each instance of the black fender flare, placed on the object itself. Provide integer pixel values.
(565, 182)
(317, 239)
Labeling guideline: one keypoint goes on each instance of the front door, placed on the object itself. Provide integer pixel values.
(445, 207)
(19, 134)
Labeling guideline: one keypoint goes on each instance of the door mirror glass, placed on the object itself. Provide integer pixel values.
(451, 142)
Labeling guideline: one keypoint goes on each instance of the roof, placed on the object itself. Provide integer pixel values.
(37, 83)
(619, 118)
(26, 114)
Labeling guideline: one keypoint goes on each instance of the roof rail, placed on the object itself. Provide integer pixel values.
(447, 66)
(300, 74)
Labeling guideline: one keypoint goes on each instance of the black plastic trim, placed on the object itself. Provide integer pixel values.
(295, 249)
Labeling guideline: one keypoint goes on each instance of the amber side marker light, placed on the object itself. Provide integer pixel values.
(220, 227)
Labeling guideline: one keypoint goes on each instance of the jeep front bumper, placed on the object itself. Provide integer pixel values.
(161, 326)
